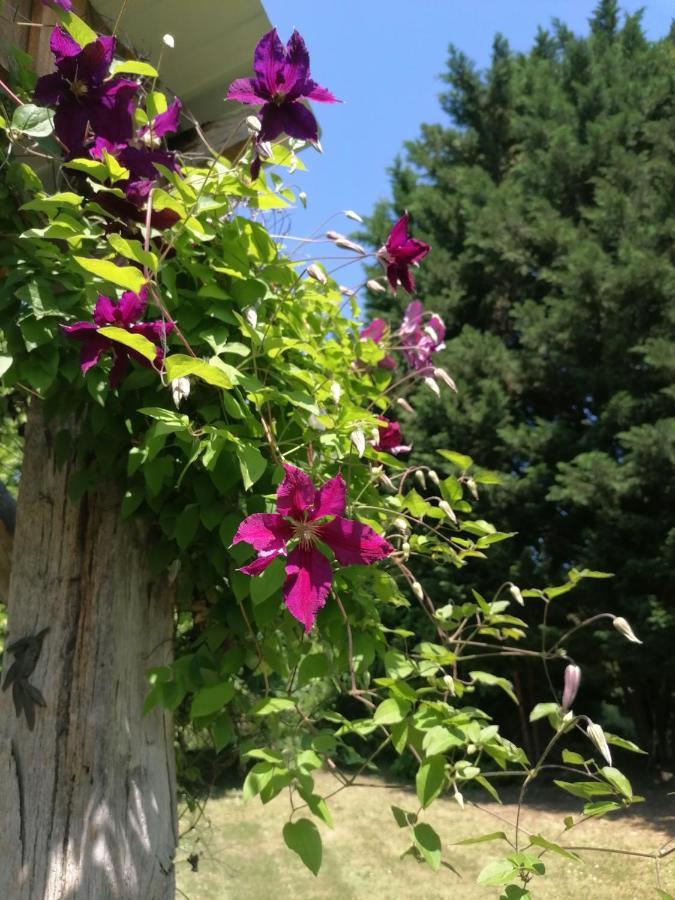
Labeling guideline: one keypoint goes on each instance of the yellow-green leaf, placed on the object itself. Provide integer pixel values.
(133, 67)
(134, 341)
(127, 277)
(178, 365)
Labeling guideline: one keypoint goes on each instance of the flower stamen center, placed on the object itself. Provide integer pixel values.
(306, 533)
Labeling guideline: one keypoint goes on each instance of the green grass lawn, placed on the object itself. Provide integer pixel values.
(242, 855)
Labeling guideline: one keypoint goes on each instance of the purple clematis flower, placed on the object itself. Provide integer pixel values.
(420, 341)
(309, 515)
(399, 253)
(281, 80)
(125, 314)
(65, 5)
(390, 439)
(82, 95)
(375, 331)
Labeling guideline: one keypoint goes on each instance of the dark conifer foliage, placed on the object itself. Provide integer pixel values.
(548, 200)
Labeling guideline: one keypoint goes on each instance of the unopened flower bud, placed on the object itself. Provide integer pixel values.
(335, 236)
(316, 273)
(169, 41)
(473, 487)
(386, 481)
(251, 316)
(335, 391)
(443, 376)
(515, 592)
(571, 686)
(433, 386)
(180, 390)
(358, 439)
(353, 215)
(447, 509)
(264, 149)
(302, 197)
(375, 286)
(624, 629)
(314, 422)
(597, 736)
(346, 244)
(253, 124)
(317, 146)
(417, 590)
(433, 477)
(345, 291)
(459, 799)
(403, 403)
(401, 524)
(449, 682)
(420, 479)
(405, 550)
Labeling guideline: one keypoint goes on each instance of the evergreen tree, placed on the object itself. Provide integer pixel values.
(548, 203)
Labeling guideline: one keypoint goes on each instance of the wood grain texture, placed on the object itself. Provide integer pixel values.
(87, 800)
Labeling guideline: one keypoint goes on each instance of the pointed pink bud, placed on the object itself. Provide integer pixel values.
(572, 682)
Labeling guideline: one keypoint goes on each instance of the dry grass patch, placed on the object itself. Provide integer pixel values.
(242, 855)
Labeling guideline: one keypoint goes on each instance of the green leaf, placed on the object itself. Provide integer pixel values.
(439, 739)
(403, 817)
(5, 364)
(272, 705)
(616, 741)
(211, 699)
(574, 759)
(186, 525)
(494, 680)
(79, 31)
(458, 459)
(391, 711)
(618, 780)
(484, 838)
(178, 365)
(268, 582)
(33, 121)
(538, 841)
(496, 873)
(303, 838)
(135, 341)
(314, 665)
(601, 807)
(223, 731)
(133, 250)
(541, 710)
(133, 67)
(430, 780)
(252, 464)
(585, 789)
(429, 844)
(123, 276)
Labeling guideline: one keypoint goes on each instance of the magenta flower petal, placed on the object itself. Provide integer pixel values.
(398, 234)
(48, 89)
(62, 45)
(156, 331)
(332, 498)
(412, 318)
(354, 543)
(132, 306)
(104, 311)
(245, 90)
(390, 439)
(375, 330)
(269, 58)
(79, 331)
(167, 122)
(296, 69)
(296, 494)
(92, 349)
(264, 532)
(70, 124)
(258, 566)
(308, 581)
(65, 5)
(314, 91)
(119, 367)
(299, 122)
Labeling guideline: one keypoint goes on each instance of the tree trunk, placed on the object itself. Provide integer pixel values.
(87, 798)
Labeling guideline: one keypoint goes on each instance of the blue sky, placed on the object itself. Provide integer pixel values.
(384, 58)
